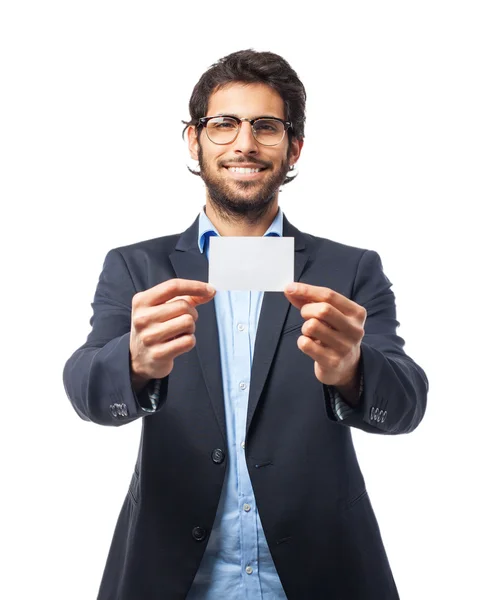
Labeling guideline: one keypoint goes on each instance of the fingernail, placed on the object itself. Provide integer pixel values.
(291, 288)
(210, 289)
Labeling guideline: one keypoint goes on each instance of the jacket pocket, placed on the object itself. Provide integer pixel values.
(293, 328)
(354, 500)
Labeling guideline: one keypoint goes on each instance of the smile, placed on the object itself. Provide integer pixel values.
(243, 170)
(244, 173)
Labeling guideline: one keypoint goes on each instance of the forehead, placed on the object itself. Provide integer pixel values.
(246, 100)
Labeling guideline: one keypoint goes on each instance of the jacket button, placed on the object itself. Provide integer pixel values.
(218, 456)
(199, 533)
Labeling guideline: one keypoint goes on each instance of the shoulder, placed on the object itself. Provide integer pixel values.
(165, 243)
(332, 245)
(324, 248)
(354, 272)
(341, 266)
(321, 246)
(156, 249)
(160, 247)
(144, 261)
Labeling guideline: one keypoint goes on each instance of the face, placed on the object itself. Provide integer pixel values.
(243, 195)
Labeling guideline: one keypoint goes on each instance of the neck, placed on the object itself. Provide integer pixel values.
(241, 226)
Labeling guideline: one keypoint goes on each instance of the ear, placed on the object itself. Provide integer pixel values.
(295, 150)
(193, 144)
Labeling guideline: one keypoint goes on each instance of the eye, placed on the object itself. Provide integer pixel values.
(265, 127)
(222, 123)
(268, 126)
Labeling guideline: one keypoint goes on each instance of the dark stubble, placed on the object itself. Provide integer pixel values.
(241, 207)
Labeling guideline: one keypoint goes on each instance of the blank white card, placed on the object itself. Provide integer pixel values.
(251, 263)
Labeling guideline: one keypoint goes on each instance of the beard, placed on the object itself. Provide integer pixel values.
(236, 200)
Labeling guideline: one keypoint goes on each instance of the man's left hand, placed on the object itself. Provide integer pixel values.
(331, 334)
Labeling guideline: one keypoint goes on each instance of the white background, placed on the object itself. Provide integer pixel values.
(92, 95)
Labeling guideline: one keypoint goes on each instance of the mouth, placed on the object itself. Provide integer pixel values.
(245, 173)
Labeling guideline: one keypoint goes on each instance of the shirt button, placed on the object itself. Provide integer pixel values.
(249, 570)
(240, 326)
(243, 385)
(246, 507)
(243, 445)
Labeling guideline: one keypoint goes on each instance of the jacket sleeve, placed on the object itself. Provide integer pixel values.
(395, 388)
(97, 377)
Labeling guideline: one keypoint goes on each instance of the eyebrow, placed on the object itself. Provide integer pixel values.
(238, 117)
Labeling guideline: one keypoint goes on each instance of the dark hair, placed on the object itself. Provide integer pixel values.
(250, 66)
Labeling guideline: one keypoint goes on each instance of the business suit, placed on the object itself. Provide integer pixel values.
(309, 490)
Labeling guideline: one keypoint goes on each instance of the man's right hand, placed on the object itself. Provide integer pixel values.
(163, 327)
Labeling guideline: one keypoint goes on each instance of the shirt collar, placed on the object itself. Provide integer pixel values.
(206, 228)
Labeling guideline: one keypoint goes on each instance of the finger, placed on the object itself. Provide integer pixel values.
(305, 293)
(194, 292)
(172, 308)
(331, 316)
(169, 330)
(146, 316)
(318, 352)
(175, 347)
(192, 300)
(323, 335)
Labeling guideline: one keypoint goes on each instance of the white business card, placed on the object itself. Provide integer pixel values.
(251, 263)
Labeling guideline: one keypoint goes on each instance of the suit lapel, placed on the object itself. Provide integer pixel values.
(189, 263)
(271, 320)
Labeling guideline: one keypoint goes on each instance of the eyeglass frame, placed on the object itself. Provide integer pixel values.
(203, 122)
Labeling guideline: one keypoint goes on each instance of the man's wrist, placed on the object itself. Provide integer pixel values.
(351, 392)
(138, 383)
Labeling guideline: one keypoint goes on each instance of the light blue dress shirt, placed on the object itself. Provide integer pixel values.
(237, 563)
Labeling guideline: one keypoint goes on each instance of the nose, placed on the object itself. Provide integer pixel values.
(245, 143)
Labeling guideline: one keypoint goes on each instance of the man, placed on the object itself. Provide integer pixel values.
(246, 484)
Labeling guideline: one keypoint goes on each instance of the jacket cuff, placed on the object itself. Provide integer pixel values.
(149, 398)
(340, 409)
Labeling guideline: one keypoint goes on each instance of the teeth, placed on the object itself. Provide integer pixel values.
(243, 170)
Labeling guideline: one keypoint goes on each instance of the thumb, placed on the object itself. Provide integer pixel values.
(295, 301)
(192, 300)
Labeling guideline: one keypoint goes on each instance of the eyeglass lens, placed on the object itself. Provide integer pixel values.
(223, 130)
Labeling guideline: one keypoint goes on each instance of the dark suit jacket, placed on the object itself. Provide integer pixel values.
(310, 493)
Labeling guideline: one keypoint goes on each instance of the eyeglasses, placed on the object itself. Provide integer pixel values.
(224, 129)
